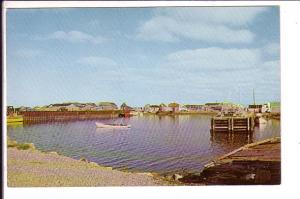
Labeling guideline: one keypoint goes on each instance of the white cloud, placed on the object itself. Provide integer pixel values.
(235, 16)
(214, 58)
(76, 37)
(96, 61)
(220, 25)
(272, 49)
(28, 53)
(274, 64)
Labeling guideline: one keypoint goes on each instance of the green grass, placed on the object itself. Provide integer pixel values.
(20, 146)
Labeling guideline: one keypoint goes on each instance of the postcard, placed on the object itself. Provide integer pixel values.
(143, 96)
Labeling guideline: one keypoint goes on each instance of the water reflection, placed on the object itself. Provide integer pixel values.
(231, 139)
(153, 143)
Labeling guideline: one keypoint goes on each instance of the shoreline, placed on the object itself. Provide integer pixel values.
(29, 167)
(258, 163)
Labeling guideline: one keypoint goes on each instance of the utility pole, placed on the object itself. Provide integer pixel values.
(253, 97)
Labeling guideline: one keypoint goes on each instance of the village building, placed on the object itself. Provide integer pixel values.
(194, 107)
(214, 106)
(182, 108)
(107, 106)
(58, 107)
(88, 107)
(124, 106)
(72, 107)
(24, 108)
(174, 106)
(255, 108)
(138, 109)
(151, 108)
(164, 108)
(275, 107)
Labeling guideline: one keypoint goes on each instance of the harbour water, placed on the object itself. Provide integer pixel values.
(161, 144)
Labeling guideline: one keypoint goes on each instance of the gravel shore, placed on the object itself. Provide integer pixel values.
(32, 168)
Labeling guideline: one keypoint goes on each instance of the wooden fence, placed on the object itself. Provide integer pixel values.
(49, 116)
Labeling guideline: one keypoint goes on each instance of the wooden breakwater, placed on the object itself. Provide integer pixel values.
(52, 116)
(257, 163)
(232, 124)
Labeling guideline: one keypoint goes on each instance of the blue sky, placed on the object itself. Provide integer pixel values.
(143, 55)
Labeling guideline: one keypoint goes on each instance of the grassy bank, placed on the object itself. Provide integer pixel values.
(28, 167)
(14, 119)
(182, 113)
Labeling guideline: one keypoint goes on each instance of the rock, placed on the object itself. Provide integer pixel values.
(94, 164)
(83, 159)
(250, 176)
(176, 176)
(53, 152)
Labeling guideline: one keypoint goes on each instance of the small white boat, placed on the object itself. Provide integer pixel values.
(115, 126)
(260, 120)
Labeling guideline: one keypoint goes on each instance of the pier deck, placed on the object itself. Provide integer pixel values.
(232, 123)
(256, 163)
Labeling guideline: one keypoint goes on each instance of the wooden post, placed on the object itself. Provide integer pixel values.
(248, 125)
(228, 125)
(232, 124)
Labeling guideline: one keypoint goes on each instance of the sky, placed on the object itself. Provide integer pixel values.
(189, 55)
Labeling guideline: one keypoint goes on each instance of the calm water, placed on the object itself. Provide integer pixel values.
(153, 144)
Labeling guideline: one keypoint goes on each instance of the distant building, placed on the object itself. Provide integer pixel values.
(138, 109)
(10, 110)
(87, 107)
(125, 107)
(182, 108)
(194, 107)
(107, 106)
(24, 108)
(275, 107)
(215, 106)
(72, 107)
(174, 106)
(255, 108)
(59, 107)
(164, 108)
(151, 108)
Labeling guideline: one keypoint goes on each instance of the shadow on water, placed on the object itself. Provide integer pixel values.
(231, 139)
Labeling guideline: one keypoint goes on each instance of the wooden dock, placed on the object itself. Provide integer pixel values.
(53, 116)
(232, 124)
(252, 164)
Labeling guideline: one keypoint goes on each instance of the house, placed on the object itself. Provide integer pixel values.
(24, 108)
(174, 106)
(266, 108)
(10, 110)
(72, 107)
(151, 108)
(194, 107)
(57, 107)
(214, 106)
(138, 109)
(255, 108)
(87, 106)
(164, 108)
(275, 107)
(124, 106)
(51, 108)
(107, 106)
(183, 108)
